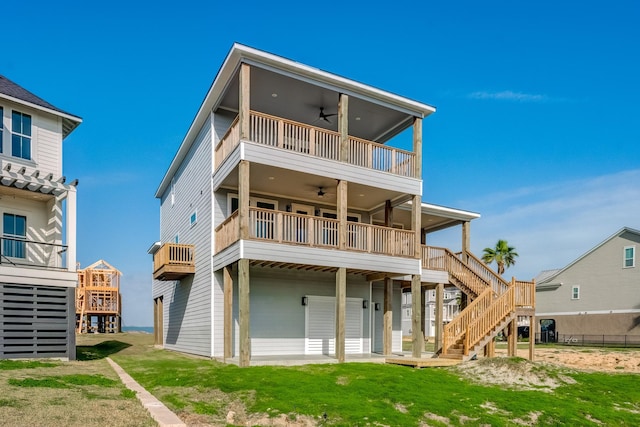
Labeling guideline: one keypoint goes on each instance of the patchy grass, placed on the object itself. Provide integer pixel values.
(207, 392)
(85, 393)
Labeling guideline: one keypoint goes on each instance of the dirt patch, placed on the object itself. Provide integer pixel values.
(588, 359)
(514, 373)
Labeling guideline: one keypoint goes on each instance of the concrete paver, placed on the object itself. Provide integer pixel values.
(159, 412)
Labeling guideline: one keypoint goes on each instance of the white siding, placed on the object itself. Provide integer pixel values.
(48, 147)
(277, 319)
(187, 303)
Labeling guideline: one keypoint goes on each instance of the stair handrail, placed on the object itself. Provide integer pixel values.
(498, 283)
(455, 329)
(482, 325)
(461, 271)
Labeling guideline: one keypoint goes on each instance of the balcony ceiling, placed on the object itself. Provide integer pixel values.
(300, 100)
(303, 188)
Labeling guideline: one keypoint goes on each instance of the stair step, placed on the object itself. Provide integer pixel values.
(455, 351)
(451, 356)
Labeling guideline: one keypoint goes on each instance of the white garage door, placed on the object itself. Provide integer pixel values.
(320, 325)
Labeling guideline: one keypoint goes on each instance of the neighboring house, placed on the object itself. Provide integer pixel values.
(597, 294)
(291, 217)
(38, 248)
(450, 309)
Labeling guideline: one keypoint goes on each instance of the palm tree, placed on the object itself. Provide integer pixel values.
(503, 254)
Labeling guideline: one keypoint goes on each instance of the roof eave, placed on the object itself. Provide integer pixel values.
(71, 121)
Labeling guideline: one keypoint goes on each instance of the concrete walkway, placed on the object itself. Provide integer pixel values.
(163, 416)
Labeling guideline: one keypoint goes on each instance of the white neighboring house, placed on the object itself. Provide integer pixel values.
(597, 294)
(38, 242)
(450, 309)
(291, 218)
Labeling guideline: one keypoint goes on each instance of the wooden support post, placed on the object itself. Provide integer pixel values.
(466, 240)
(423, 310)
(228, 312)
(243, 198)
(244, 101)
(532, 337)
(387, 333)
(244, 312)
(343, 126)
(416, 214)
(438, 317)
(341, 312)
(490, 349)
(416, 317)
(512, 345)
(417, 146)
(341, 211)
(388, 214)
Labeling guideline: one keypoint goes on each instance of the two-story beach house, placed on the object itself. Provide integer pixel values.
(291, 217)
(38, 242)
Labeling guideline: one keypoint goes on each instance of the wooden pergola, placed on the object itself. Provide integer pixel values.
(98, 299)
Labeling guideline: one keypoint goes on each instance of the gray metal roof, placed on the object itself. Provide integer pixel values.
(12, 90)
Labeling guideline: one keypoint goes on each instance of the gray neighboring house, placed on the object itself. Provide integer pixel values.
(597, 294)
(38, 241)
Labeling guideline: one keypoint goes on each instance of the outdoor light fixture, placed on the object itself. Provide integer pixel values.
(305, 300)
(377, 306)
(365, 303)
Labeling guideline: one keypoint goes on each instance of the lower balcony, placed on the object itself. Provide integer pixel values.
(20, 252)
(312, 231)
(173, 261)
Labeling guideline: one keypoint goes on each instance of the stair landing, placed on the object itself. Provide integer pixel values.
(421, 362)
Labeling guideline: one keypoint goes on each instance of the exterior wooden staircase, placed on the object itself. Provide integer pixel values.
(494, 302)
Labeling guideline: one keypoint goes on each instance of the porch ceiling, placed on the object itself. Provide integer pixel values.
(298, 99)
(307, 267)
(289, 184)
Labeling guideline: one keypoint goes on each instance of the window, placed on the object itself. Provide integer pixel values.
(176, 239)
(575, 292)
(21, 135)
(629, 256)
(14, 235)
(193, 218)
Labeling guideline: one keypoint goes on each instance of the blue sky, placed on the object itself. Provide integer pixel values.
(537, 125)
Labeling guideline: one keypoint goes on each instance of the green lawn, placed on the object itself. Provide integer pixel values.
(374, 394)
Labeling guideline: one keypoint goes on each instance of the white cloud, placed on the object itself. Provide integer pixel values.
(508, 95)
(552, 225)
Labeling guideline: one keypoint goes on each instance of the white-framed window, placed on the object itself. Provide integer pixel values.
(193, 219)
(575, 292)
(302, 209)
(14, 234)
(20, 135)
(629, 257)
(258, 202)
(333, 214)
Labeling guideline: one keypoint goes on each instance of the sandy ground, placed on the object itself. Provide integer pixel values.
(589, 359)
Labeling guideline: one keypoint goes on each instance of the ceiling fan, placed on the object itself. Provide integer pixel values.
(325, 116)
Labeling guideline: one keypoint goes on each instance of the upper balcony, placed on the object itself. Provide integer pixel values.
(321, 143)
(173, 261)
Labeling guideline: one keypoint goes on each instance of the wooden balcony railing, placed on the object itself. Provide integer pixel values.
(302, 138)
(306, 230)
(173, 261)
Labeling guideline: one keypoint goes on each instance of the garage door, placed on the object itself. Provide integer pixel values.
(320, 325)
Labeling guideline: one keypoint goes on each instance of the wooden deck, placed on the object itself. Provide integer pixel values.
(420, 362)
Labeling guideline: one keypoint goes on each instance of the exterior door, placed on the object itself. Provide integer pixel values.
(320, 325)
